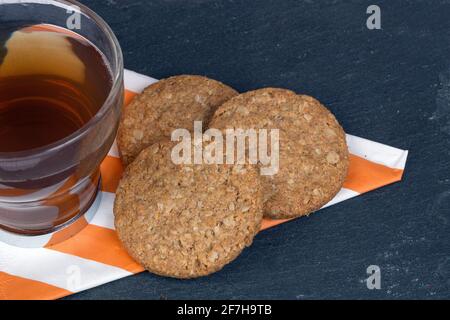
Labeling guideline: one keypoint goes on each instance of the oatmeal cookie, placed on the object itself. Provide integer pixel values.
(166, 105)
(186, 221)
(313, 151)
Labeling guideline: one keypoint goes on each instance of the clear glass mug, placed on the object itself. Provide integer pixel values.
(45, 189)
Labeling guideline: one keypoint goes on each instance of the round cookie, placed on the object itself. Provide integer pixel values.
(186, 221)
(168, 104)
(313, 151)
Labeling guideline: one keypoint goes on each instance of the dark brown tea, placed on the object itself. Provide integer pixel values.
(51, 84)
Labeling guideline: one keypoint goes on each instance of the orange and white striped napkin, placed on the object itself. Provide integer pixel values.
(95, 256)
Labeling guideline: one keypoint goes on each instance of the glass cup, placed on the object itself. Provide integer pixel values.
(46, 189)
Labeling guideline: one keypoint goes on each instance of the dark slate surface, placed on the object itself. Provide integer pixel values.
(390, 85)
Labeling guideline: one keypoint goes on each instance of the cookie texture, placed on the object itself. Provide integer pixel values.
(313, 151)
(186, 221)
(169, 104)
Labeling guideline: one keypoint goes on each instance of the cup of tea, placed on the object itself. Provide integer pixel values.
(61, 93)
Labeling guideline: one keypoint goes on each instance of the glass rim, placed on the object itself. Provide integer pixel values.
(107, 104)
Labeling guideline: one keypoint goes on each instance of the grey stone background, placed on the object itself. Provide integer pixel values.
(390, 85)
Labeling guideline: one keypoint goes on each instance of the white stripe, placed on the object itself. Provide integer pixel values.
(114, 151)
(24, 242)
(377, 152)
(343, 195)
(137, 82)
(58, 269)
(104, 216)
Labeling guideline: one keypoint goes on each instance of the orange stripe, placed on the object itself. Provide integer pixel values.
(364, 175)
(129, 95)
(68, 232)
(268, 223)
(101, 245)
(111, 167)
(17, 288)
(112, 170)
